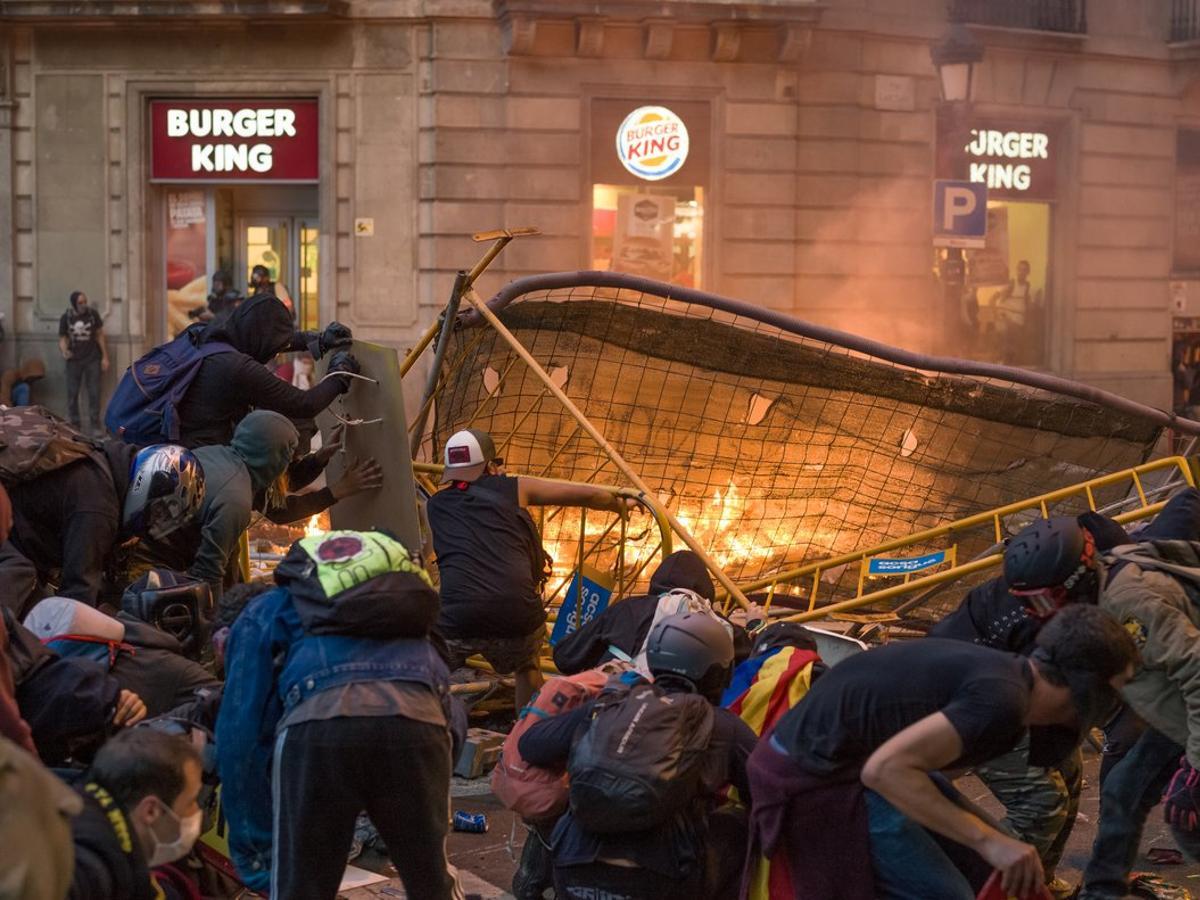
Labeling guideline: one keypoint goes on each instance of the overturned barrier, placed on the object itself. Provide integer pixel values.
(770, 441)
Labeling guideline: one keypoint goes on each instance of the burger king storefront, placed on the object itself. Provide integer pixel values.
(235, 182)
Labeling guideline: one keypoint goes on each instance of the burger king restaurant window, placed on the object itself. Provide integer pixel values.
(1006, 309)
(649, 165)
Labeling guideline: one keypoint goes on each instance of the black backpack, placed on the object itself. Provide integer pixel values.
(640, 761)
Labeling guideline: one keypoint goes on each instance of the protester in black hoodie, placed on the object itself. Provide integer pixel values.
(229, 385)
(624, 625)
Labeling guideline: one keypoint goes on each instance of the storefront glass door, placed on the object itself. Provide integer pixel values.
(287, 246)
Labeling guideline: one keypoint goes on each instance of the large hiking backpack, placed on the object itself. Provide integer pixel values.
(532, 792)
(641, 759)
(144, 407)
(34, 441)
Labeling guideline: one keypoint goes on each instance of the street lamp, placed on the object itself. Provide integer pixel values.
(955, 56)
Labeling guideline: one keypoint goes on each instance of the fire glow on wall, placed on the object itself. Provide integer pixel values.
(234, 140)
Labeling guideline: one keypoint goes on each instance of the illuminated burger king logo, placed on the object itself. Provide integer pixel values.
(652, 142)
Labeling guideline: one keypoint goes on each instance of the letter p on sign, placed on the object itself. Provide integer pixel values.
(959, 214)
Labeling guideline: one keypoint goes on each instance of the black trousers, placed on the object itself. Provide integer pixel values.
(327, 772)
(86, 373)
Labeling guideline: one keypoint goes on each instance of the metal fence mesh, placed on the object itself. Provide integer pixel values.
(771, 447)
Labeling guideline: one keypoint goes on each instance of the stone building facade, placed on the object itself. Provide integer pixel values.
(813, 146)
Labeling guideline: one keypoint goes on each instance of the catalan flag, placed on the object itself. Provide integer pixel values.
(765, 687)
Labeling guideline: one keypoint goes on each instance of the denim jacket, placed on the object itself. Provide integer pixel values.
(271, 665)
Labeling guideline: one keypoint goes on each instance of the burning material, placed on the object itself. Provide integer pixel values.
(772, 441)
(314, 528)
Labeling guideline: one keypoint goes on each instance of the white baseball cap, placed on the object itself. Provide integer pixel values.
(467, 454)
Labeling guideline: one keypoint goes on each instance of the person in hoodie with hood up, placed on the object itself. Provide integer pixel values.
(337, 701)
(228, 385)
(624, 626)
(244, 477)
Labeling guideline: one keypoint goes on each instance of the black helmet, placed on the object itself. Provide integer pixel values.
(694, 646)
(1045, 554)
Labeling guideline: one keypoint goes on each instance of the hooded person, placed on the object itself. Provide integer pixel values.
(624, 626)
(244, 477)
(228, 385)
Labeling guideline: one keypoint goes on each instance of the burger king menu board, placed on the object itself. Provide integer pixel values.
(652, 143)
(234, 140)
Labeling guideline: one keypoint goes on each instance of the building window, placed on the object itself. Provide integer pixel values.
(650, 226)
(1006, 303)
(656, 232)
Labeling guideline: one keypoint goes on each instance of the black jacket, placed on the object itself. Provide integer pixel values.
(109, 862)
(229, 385)
(625, 624)
(989, 615)
(157, 670)
(68, 703)
(69, 519)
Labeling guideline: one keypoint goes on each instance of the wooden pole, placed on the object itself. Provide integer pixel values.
(608, 448)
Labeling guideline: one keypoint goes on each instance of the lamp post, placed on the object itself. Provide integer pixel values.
(955, 57)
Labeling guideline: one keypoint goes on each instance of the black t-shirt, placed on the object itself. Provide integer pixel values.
(989, 615)
(80, 329)
(483, 551)
(859, 704)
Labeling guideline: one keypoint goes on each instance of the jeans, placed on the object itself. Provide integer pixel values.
(907, 861)
(327, 771)
(86, 373)
(1131, 789)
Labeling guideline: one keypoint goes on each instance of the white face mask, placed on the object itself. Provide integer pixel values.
(187, 828)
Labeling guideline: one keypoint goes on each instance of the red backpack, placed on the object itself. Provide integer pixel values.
(532, 792)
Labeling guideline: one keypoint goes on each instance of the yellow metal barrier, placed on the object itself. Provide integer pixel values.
(1173, 466)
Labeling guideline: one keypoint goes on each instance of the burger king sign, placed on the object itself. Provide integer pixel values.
(652, 142)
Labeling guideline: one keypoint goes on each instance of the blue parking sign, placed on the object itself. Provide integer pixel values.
(959, 214)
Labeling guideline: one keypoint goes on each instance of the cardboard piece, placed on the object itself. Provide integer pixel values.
(394, 505)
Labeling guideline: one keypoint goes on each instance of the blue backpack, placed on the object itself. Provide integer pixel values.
(144, 407)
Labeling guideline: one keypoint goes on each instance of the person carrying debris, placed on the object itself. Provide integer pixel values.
(194, 390)
(241, 478)
(490, 557)
(336, 701)
(848, 802)
(646, 762)
(1148, 589)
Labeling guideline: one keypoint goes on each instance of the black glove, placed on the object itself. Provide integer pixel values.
(335, 335)
(321, 342)
(344, 361)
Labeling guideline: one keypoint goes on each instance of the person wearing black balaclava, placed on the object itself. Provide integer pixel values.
(228, 385)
